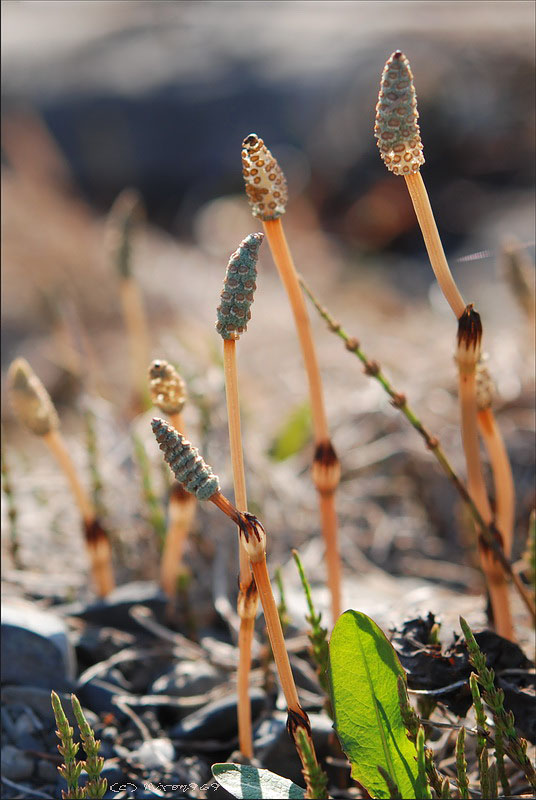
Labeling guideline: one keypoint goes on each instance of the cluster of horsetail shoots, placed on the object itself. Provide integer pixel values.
(124, 216)
(399, 142)
(399, 401)
(168, 393)
(35, 410)
(266, 189)
(233, 314)
(197, 477)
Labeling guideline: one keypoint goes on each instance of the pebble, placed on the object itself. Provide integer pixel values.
(98, 696)
(217, 720)
(38, 700)
(154, 754)
(16, 765)
(188, 678)
(35, 648)
(114, 610)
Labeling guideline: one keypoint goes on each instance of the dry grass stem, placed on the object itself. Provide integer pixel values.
(267, 193)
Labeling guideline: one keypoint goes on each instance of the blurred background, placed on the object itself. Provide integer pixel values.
(99, 96)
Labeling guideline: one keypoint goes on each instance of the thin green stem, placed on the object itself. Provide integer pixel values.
(461, 766)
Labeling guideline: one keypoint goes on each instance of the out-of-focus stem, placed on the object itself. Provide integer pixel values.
(97, 541)
(181, 512)
(326, 468)
(138, 337)
(502, 476)
(436, 254)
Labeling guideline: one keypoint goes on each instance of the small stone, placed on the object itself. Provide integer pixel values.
(188, 678)
(217, 720)
(98, 696)
(35, 648)
(154, 754)
(16, 765)
(113, 611)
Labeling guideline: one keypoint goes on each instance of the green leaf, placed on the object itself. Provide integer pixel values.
(294, 434)
(251, 783)
(364, 670)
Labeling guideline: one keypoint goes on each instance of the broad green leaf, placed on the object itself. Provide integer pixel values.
(251, 783)
(364, 669)
(293, 435)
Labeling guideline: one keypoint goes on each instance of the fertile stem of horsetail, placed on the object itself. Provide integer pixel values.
(36, 411)
(168, 393)
(500, 463)
(399, 401)
(266, 189)
(198, 478)
(123, 217)
(233, 316)
(468, 355)
(399, 141)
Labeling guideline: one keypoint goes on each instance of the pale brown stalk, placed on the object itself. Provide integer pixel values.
(436, 254)
(137, 331)
(502, 476)
(247, 599)
(97, 542)
(254, 538)
(469, 343)
(326, 468)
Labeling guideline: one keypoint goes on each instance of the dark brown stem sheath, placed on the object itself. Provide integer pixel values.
(287, 271)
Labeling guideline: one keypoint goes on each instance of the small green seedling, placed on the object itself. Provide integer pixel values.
(71, 770)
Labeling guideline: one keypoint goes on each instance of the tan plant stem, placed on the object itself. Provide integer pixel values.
(297, 718)
(247, 598)
(487, 531)
(502, 476)
(326, 468)
(254, 538)
(138, 337)
(97, 541)
(493, 571)
(181, 513)
(436, 254)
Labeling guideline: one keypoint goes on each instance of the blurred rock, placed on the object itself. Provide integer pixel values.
(217, 720)
(154, 754)
(35, 648)
(188, 678)
(16, 765)
(113, 611)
